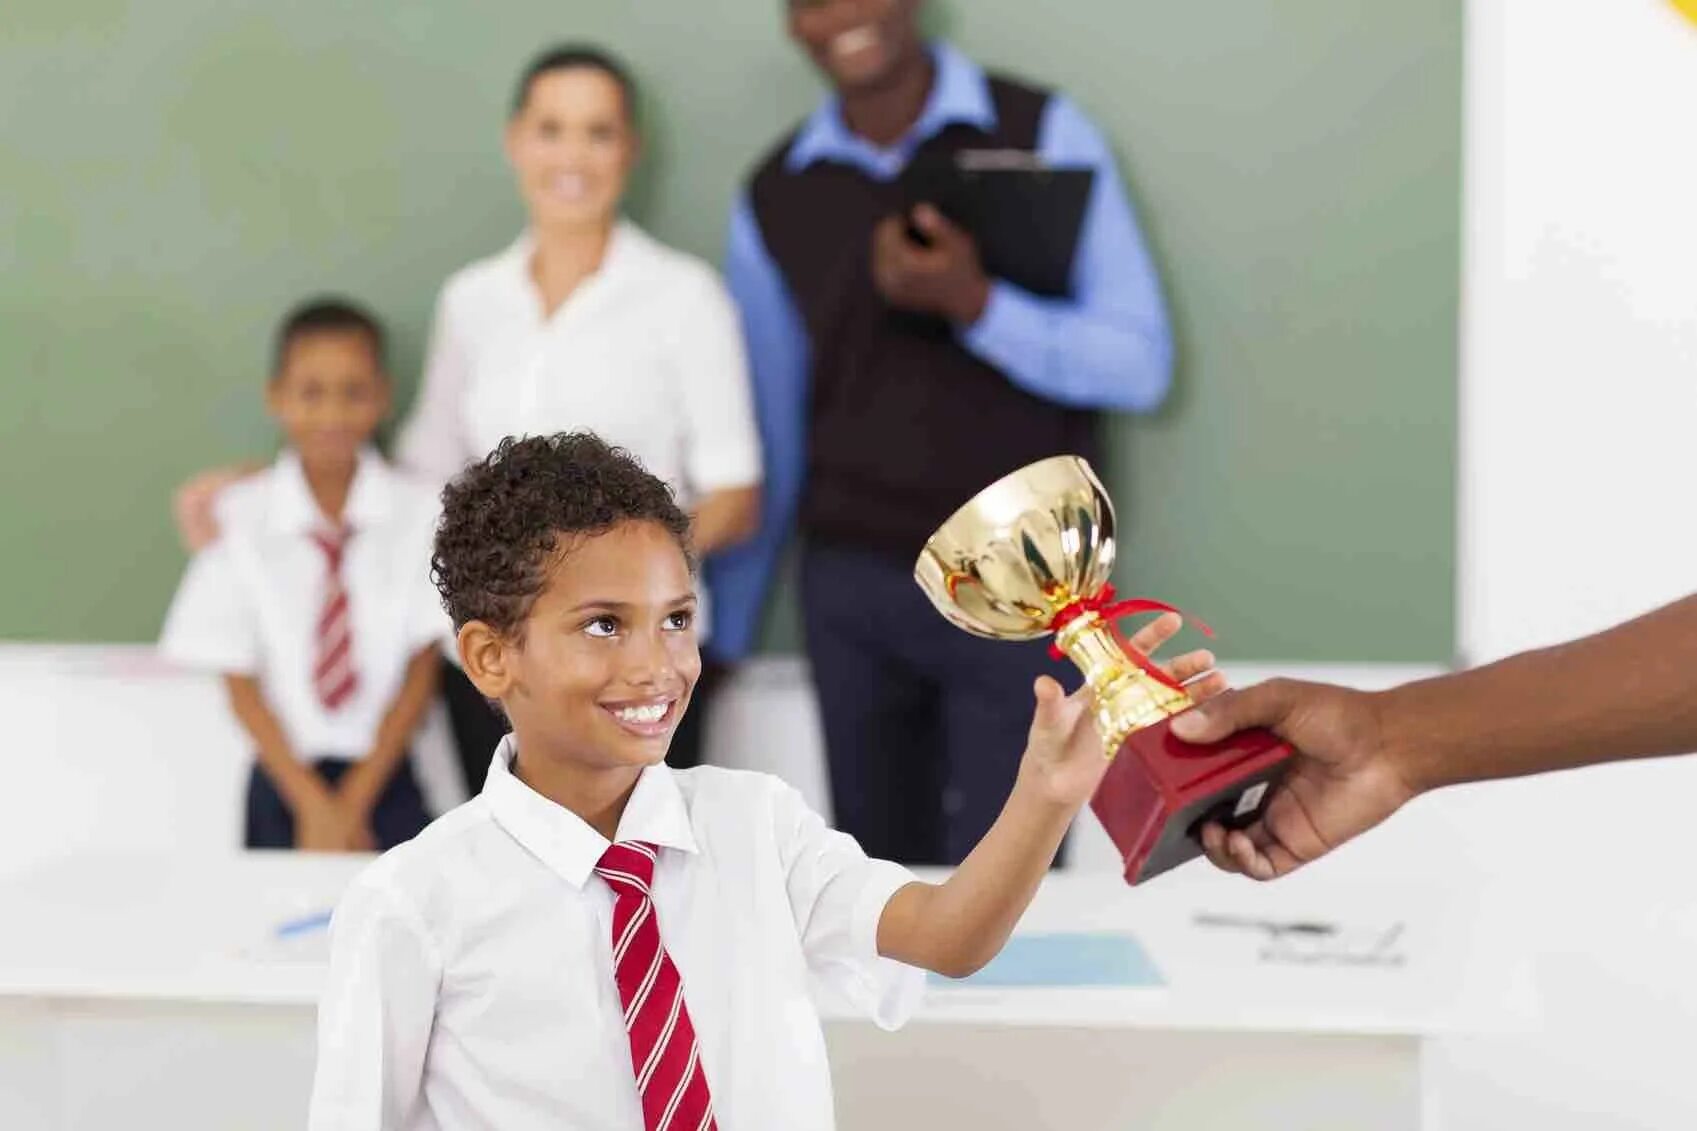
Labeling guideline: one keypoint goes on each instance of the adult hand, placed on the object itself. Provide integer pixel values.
(946, 278)
(1339, 783)
(192, 504)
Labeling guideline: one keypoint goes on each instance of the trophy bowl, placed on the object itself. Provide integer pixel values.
(1031, 555)
(1023, 549)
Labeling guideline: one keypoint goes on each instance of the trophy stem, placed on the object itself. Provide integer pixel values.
(1126, 698)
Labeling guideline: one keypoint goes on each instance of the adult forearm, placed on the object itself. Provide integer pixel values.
(1075, 355)
(1629, 692)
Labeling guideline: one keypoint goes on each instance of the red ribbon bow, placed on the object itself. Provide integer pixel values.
(1104, 606)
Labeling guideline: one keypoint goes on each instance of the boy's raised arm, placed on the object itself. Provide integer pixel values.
(955, 927)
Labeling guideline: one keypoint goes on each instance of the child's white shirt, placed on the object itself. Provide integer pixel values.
(250, 602)
(471, 975)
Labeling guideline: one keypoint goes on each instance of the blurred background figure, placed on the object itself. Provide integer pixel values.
(896, 377)
(583, 322)
(314, 602)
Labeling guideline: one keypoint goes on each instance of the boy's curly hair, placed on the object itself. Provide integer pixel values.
(504, 520)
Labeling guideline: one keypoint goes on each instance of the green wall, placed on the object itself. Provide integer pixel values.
(177, 173)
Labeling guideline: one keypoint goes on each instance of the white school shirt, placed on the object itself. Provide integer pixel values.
(647, 353)
(471, 969)
(249, 603)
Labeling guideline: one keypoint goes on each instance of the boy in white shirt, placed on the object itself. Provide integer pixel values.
(598, 941)
(315, 601)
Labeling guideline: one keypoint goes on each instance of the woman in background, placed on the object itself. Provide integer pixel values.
(584, 322)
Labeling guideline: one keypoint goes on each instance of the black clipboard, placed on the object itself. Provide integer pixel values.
(1024, 215)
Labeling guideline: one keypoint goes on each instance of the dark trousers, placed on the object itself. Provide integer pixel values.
(924, 724)
(399, 816)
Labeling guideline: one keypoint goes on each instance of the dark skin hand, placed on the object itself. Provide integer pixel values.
(1629, 692)
(945, 279)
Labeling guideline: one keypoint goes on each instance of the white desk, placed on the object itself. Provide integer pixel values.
(147, 992)
(106, 1015)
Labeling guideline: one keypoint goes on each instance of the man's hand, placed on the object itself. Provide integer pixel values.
(946, 279)
(1339, 783)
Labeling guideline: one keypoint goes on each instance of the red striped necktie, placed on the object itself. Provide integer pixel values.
(334, 676)
(663, 1051)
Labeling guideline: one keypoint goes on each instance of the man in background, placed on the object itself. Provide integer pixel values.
(894, 378)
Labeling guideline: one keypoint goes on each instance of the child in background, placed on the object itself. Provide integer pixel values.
(315, 603)
(598, 941)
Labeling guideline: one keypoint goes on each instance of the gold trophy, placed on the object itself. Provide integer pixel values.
(1031, 555)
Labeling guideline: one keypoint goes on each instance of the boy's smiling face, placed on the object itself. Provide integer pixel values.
(604, 665)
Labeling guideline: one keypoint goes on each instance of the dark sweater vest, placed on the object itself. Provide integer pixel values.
(905, 424)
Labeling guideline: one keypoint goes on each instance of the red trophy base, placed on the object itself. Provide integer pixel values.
(1160, 790)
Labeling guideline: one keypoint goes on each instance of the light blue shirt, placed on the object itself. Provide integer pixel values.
(1107, 346)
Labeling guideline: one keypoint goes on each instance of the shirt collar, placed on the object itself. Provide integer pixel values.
(624, 247)
(564, 841)
(960, 92)
(293, 510)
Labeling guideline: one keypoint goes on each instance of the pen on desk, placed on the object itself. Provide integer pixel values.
(1386, 939)
(1294, 927)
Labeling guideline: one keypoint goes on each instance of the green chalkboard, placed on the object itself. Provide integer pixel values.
(177, 173)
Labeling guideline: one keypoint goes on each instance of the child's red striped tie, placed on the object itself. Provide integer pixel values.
(333, 675)
(663, 1051)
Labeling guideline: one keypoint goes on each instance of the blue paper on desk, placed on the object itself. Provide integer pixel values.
(1070, 958)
